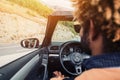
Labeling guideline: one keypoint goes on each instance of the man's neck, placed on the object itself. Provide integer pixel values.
(97, 46)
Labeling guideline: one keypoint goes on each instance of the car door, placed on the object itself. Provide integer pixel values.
(24, 67)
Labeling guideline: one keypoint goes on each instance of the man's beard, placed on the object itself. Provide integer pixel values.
(85, 43)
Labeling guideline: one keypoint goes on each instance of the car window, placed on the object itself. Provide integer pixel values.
(64, 31)
(17, 29)
(18, 22)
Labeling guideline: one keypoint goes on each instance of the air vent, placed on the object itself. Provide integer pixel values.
(54, 48)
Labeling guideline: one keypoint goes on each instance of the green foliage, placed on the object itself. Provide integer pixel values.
(34, 5)
(69, 24)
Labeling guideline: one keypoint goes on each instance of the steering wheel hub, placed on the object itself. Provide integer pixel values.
(76, 58)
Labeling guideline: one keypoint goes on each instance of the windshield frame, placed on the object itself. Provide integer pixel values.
(51, 25)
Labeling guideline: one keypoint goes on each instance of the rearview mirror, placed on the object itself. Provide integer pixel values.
(30, 43)
(77, 26)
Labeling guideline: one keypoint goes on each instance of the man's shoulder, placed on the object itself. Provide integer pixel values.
(103, 70)
(100, 73)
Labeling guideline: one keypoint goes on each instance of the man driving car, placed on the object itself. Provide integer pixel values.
(100, 34)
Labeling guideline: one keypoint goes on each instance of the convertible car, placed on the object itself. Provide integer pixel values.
(65, 56)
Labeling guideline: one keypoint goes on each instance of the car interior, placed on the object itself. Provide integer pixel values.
(40, 64)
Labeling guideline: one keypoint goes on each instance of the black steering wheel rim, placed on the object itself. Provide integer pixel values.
(78, 65)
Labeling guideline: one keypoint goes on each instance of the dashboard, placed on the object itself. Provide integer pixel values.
(55, 50)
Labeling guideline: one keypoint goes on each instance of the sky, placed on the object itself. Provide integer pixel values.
(66, 4)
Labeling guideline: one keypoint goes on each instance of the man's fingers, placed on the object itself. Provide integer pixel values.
(56, 73)
(59, 73)
(62, 76)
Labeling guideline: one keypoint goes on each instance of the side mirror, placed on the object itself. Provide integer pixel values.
(30, 43)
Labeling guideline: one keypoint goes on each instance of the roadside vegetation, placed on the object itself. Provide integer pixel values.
(34, 5)
(20, 19)
(41, 9)
(70, 25)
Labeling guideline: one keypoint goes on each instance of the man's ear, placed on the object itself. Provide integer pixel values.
(91, 30)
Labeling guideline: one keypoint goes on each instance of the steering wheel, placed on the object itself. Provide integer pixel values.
(71, 57)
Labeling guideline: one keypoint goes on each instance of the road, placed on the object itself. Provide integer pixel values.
(11, 52)
(6, 49)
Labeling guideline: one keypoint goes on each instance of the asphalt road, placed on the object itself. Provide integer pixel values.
(7, 49)
(11, 52)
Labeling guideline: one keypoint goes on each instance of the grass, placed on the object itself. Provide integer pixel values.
(69, 24)
(34, 5)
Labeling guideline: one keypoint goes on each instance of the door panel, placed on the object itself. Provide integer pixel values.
(16, 67)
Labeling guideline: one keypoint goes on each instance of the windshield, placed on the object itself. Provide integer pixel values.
(64, 31)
